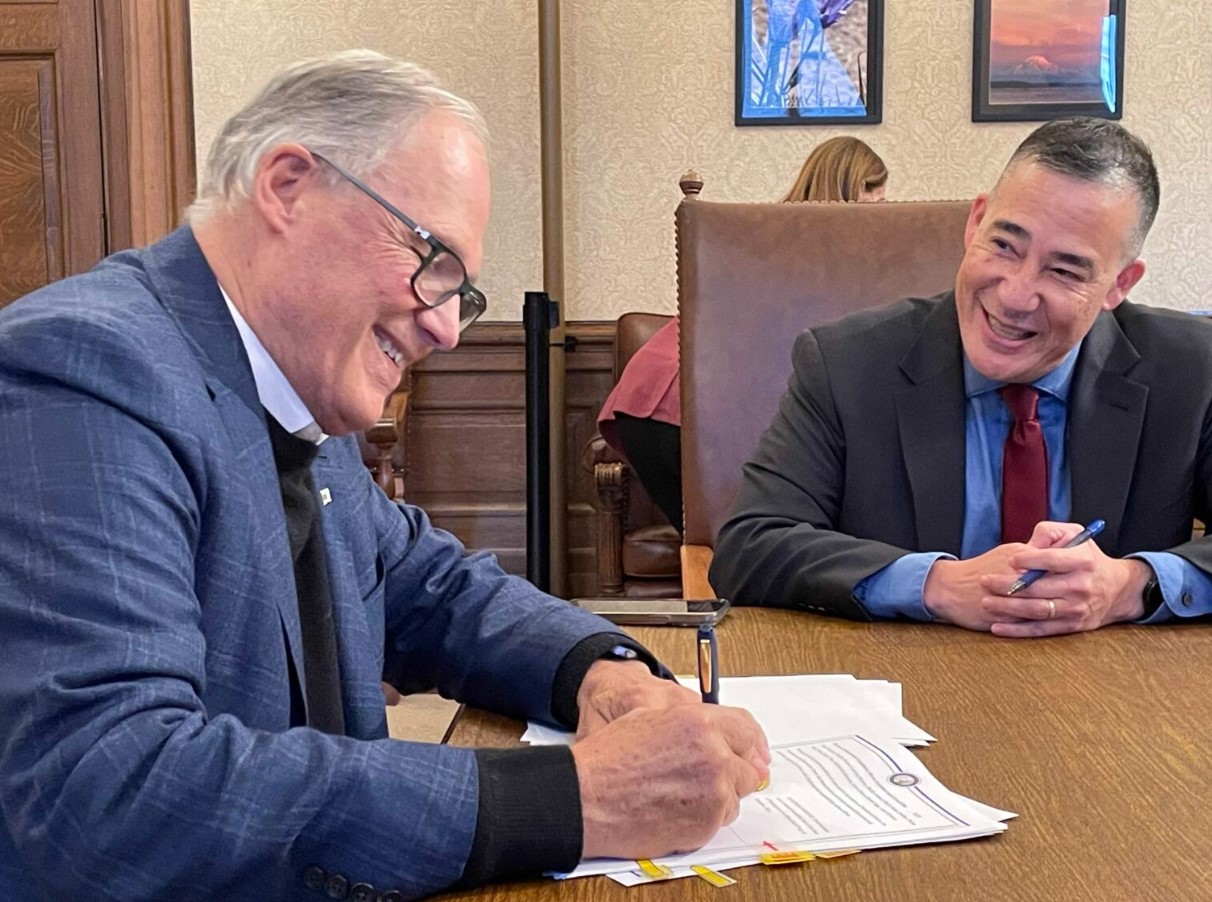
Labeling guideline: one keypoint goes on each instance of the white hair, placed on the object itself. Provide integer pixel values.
(351, 107)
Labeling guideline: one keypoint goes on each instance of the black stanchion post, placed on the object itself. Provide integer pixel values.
(540, 315)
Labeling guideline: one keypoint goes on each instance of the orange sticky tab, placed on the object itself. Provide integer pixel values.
(653, 870)
(788, 857)
(715, 878)
(840, 853)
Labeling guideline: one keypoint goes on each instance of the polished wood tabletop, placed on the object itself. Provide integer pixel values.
(1101, 742)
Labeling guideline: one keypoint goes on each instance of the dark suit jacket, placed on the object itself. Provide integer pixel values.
(149, 621)
(865, 459)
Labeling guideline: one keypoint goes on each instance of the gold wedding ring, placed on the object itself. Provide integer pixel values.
(1051, 608)
(765, 782)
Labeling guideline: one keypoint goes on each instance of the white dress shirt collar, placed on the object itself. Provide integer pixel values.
(276, 394)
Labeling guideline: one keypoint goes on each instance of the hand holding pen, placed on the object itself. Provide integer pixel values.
(1032, 575)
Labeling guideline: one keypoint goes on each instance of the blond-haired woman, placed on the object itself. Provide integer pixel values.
(841, 169)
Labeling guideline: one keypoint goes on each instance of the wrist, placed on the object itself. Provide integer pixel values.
(936, 595)
(605, 674)
(1131, 603)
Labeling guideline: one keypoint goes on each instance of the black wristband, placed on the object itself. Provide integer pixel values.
(1152, 597)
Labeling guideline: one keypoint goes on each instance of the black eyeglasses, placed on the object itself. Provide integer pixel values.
(441, 275)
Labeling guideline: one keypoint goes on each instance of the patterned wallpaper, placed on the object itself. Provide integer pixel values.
(486, 50)
(648, 94)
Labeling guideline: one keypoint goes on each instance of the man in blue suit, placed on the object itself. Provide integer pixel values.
(201, 588)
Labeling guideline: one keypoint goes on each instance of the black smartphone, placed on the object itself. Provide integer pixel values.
(657, 611)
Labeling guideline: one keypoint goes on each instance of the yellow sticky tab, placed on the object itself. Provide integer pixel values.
(840, 853)
(654, 870)
(715, 878)
(785, 857)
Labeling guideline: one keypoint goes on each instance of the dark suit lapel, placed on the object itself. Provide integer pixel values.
(930, 415)
(186, 286)
(1106, 418)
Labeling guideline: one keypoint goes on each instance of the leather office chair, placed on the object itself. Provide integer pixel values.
(750, 278)
(638, 549)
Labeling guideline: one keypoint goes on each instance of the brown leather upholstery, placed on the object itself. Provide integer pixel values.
(750, 278)
(637, 546)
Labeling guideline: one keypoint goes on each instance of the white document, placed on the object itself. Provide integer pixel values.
(794, 708)
(847, 792)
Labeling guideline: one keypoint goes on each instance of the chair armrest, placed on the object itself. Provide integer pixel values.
(385, 434)
(696, 560)
(597, 451)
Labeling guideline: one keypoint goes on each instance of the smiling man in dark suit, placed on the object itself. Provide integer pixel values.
(928, 453)
(201, 588)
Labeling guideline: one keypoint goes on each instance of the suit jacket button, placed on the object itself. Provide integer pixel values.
(392, 895)
(337, 887)
(361, 892)
(1187, 599)
(313, 878)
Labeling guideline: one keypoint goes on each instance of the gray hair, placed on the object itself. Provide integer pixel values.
(351, 107)
(1100, 151)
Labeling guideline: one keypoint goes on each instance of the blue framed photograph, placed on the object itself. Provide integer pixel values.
(1034, 60)
(809, 62)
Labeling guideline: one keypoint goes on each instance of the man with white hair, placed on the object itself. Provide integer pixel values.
(201, 588)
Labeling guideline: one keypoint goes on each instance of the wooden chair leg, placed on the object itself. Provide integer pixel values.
(696, 560)
(609, 478)
(384, 435)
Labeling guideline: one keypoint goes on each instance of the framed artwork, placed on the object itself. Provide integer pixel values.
(809, 62)
(1042, 59)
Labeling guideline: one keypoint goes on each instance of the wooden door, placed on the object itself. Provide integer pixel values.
(51, 168)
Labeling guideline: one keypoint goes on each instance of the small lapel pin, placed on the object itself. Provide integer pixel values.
(325, 496)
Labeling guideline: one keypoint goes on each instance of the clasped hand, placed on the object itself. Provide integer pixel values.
(659, 771)
(1082, 589)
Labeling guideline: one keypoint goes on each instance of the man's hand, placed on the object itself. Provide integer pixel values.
(1086, 588)
(655, 782)
(613, 688)
(954, 590)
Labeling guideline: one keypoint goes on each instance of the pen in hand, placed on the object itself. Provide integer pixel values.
(709, 666)
(1032, 575)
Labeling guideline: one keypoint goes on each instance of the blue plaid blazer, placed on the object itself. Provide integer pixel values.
(148, 618)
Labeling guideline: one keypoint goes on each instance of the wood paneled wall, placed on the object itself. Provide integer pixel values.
(464, 450)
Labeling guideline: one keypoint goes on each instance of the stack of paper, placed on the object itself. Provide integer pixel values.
(839, 779)
(795, 708)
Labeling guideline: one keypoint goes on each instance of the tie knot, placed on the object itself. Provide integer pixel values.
(1021, 400)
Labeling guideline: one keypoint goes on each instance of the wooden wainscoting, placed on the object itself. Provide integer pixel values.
(464, 451)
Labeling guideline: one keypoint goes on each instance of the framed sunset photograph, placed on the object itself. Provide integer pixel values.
(809, 62)
(1034, 60)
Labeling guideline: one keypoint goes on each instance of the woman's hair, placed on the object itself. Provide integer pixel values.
(838, 169)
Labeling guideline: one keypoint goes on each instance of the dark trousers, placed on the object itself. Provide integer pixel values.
(654, 450)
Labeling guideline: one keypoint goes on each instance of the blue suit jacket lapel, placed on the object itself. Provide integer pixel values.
(186, 286)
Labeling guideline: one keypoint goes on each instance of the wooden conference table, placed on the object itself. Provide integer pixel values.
(1101, 742)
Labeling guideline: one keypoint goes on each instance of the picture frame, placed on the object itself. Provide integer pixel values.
(837, 80)
(1034, 60)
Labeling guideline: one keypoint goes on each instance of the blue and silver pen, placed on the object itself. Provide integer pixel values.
(709, 665)
(1032, 575)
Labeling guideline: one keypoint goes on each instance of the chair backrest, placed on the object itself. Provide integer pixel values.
(631, 332)
(753, 276)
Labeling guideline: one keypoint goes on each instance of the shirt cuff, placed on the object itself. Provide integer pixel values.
(1186, 590)
(576, 664)
(528, 815)
(896, 590)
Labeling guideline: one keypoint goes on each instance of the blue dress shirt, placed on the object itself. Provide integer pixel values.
(896, 590)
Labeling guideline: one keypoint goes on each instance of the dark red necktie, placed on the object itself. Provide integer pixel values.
(1024, 466)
